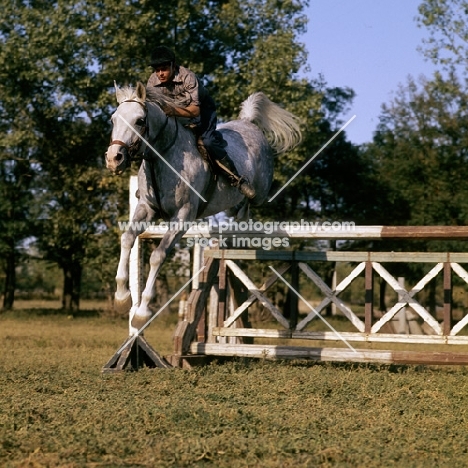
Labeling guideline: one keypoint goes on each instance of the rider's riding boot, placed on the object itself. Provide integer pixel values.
(241, 182)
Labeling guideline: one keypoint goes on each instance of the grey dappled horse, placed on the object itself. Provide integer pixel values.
(171, 189)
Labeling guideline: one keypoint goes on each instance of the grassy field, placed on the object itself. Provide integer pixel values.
(58, 410)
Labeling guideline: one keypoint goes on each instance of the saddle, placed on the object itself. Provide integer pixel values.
(212, 163)
(216, 166)
(225, 167)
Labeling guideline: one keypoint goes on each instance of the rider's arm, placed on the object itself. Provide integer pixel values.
(190, 112)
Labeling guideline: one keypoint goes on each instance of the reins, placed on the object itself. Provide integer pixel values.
(134, 149)
(151, 161)
(174, 138)
(135, 146)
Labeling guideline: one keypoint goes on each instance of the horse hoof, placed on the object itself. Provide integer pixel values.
(123, 304)
(139, 321)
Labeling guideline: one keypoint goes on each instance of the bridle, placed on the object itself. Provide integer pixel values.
(133, 148)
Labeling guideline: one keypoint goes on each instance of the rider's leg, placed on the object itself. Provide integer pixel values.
(215, 145)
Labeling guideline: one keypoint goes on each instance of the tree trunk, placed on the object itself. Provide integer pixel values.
(10, 280)
(110, 291)
(71, 286)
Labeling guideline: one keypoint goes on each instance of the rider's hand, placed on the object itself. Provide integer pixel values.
(168, 111)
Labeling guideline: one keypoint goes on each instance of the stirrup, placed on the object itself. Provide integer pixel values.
(245, 188)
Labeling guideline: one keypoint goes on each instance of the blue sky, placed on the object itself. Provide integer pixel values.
(369, 46)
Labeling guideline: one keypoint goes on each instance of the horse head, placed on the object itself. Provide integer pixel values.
(128, 125)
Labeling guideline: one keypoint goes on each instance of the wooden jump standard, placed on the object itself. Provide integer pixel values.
(347, 232)
(215, 309)
(212, 326)
(218, 334)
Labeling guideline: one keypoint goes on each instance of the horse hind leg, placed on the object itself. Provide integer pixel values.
(241, 211)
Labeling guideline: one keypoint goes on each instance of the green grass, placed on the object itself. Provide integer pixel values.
(58, 410)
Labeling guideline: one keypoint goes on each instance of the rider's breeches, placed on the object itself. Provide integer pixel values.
(212, 138)
(215, 144)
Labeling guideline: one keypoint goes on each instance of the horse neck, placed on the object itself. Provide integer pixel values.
(169, 137)
(161, 128)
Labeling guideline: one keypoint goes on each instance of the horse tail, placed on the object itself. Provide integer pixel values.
(281, 128)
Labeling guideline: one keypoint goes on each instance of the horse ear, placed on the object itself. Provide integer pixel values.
(141, 91)
(118, 92)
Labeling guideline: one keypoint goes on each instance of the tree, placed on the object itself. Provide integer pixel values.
(76, 201)
(18, 145)
(421, 147)
(46, 117)
(420, 150)
(447, 22)
(59, 61)
(15, 226)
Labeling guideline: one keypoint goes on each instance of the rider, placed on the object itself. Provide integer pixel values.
(194, 102)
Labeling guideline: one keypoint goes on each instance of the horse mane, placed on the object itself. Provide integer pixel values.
(281, 128)
(151, 94)
(156, 95)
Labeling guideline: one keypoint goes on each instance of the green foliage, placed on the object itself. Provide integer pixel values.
(447, 23)
(47, 103)
(341, 183)
(421, 151)
(37, 277)
(58, 62)
(421, 160)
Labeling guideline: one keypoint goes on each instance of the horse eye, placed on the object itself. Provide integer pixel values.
(140, 122)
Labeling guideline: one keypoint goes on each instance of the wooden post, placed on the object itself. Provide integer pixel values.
(197, 260)
(197, 263)
(369, 297)
(213, 312)
(222, 296)
(231, 305)
(196, 304)
(135, 268)
(201, 327)
(334, 283)
(182, 313)
(293, 298)
(400, 322)
(447, 298)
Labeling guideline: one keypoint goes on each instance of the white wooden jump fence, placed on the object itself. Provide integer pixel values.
(212, 325)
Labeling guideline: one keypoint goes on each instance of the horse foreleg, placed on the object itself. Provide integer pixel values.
(158, 256)
(123, 298)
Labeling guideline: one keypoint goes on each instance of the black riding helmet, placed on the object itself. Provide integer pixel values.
(162, 55)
